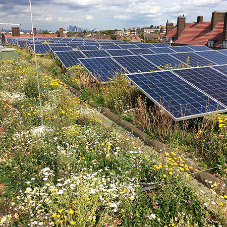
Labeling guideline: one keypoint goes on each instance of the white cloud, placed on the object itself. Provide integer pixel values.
(201, 2)
(89, 17)
(65, 19)
(48, 19)
(122, 17)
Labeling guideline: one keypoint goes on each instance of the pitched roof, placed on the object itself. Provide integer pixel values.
(198, 33)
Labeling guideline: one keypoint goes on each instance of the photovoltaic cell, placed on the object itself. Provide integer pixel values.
(88, 47)
(164, 61)
(177, 97)
(127, 46)
(140, 51)
(95, 53)
(208, 80)
(162, 50)
(144, 45)
(180, 49)
(61, 48)
(199, 48)
(110, 47)
(193, 59)
(101, 68)
(161, 45)
(41, 48)
(224, 51)
(69, 58)
(119, 52)
(135, 64)
(221, 68)
(214, 56)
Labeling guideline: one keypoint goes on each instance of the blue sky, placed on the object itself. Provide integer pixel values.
(104, 14)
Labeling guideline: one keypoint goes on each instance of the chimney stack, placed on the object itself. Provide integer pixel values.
(15, 31)
(225, 28)
(34, 31)
(180, 26)
(199, 19)
(61, 32)
(169, 27)
(216, 17)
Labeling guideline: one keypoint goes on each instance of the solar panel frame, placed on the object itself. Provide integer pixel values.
(95, 53)
(135, 63)
(158, 89)
(208, 80)
(101, 68)
(161, 45)
(162, 50)
(127, 46)
(119, 52)
(61, 48)
(181, 49)
(141, 51)
(110, 47)
(88, 47)
(199, 48)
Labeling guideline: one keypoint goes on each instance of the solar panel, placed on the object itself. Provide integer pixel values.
(69, 58)
(177, 97)
(208, 80)
(163, 50)
(221, 68)
(95, 53)
(144, 45)
(57, 44)
(120, 52)
(199, 48)
(61, 48)
(127, 46)
(140, 51)
(75, 45)
(192, 59)
(161, 45)
(223, 51)
(164, 61)
(180, 49)
(101, 68)
(135, 64)
(214, 56)
(110, 47)
(88, 47)
(41, 48)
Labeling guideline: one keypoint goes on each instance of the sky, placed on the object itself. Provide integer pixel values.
(104, 14)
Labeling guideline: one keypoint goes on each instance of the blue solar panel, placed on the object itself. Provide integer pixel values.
(135, 64)
(61, 48)
(165, 61)
(223, 51)
(110, 47)
(119, 52)
(162, 50)
(75, 45)
(192, 59)
(41, 48)
(88, 47)
(144, 45)
(69, 58)
(221, 68)
(140, 51)
(199, 48)
(161, 45)
(214, 56)
(57, 44)
(177, 97)
(180, 49)
(208, 80)
(127, 46)
(95, 53)
(101, 68)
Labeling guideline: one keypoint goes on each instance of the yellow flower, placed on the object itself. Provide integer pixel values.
(71, 211)
(72, 222)
(170, 173)
(54, 215)
(164, 175)
(74, 202)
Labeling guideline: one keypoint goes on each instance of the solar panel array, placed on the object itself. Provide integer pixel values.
(197, 90)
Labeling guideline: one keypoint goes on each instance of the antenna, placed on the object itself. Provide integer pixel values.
(37, 75)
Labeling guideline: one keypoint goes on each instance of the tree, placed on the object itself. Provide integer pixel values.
(44, 32)
(113, 37)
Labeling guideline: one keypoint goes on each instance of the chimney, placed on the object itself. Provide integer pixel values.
(225, 28)
(34, 31)
(169, 27)
(180, 26)
(15, 31)
(199, 19)
(216, 17)
(61, 32)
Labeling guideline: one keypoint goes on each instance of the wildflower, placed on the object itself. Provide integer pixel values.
(71, 211)
(72, 222)
(164, 175)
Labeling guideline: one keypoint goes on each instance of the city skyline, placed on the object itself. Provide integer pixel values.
(100, 14)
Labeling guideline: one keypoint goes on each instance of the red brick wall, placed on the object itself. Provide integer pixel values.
(61, 32)
(15, 31)
(180, 26)
(169, 27)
